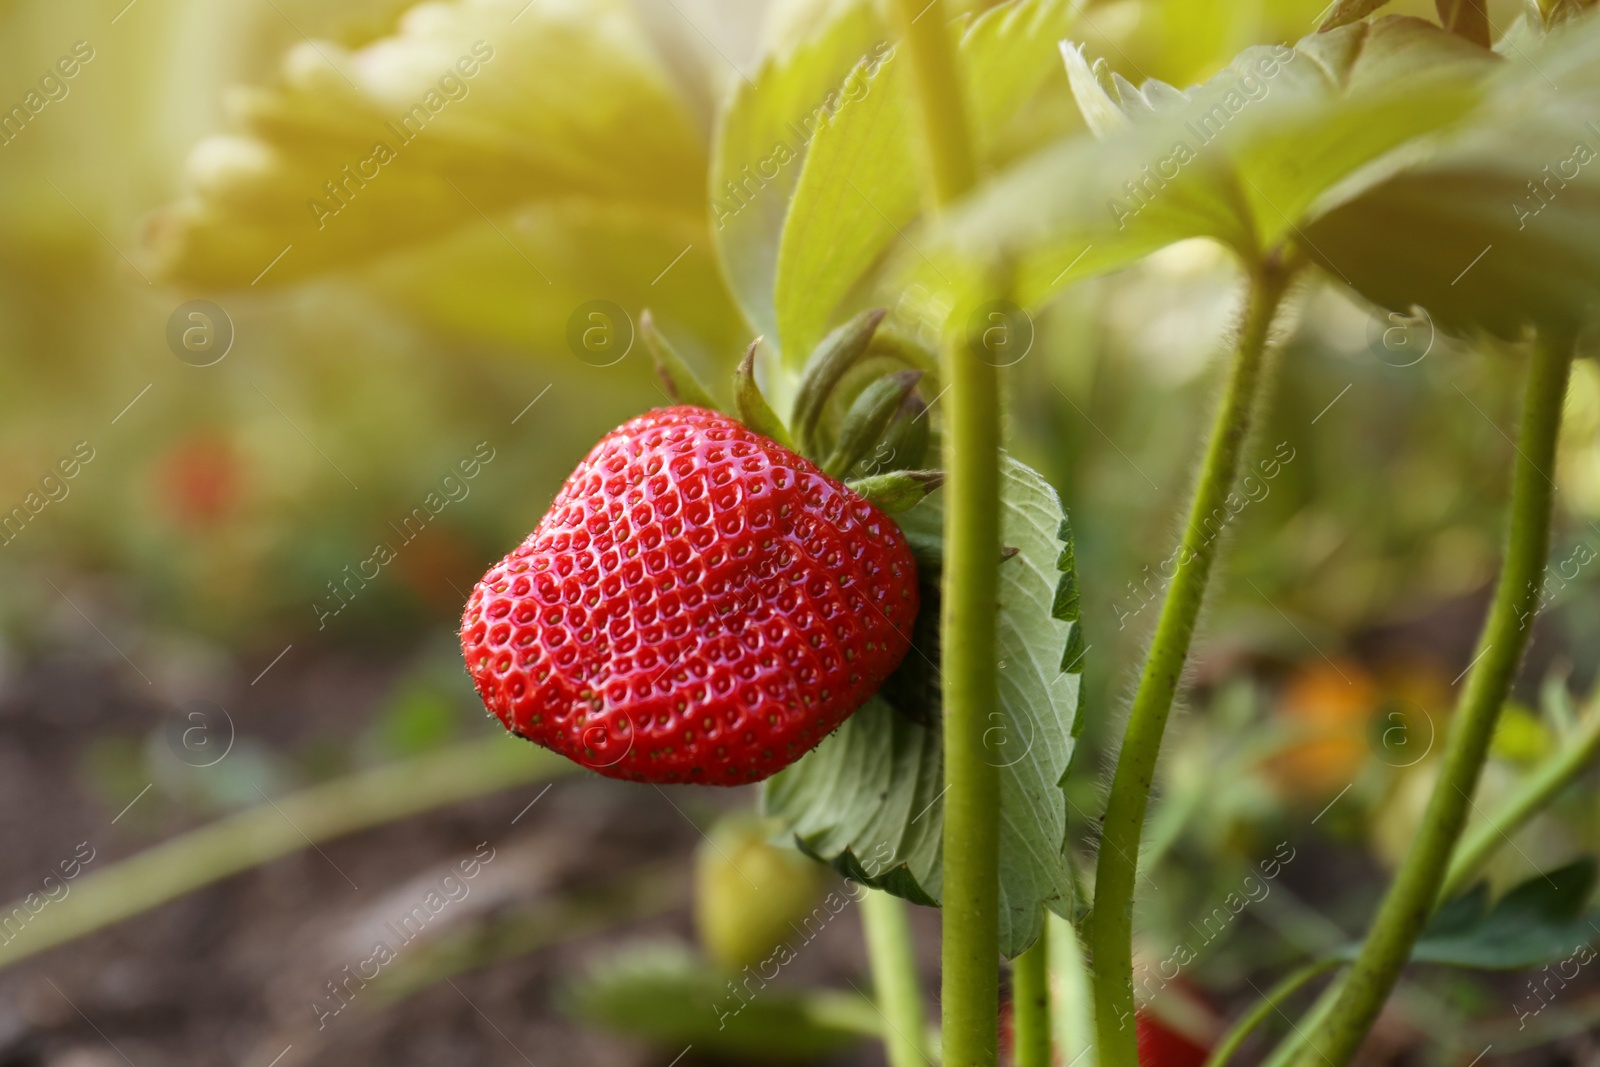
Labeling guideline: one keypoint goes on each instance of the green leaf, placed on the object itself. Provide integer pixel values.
(663, 994)
(860, 188)
(868, 799)
(1536, 922)
(1244, 159)
(489, 282)
(471, 108)
(1109, 102)
(763, 137)
(1498, 227)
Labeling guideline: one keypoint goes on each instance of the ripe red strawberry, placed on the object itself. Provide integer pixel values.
(700, 604)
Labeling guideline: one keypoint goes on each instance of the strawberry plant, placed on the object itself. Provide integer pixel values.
(833, 574)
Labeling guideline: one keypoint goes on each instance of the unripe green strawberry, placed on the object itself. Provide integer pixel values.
(700, 604)
(748, 891)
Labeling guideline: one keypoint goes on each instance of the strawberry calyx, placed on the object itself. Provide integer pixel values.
(837, 353)
(884, 426)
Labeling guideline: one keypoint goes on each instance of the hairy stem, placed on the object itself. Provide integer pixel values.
(275, 828)
(1575, 754)
(1272, 1002)
(894, 979)
(1030, 1005)
(1111, 930)
(971, 907)
(1415, 890)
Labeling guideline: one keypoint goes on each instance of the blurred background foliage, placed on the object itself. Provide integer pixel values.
(222, 502)
(377, 354)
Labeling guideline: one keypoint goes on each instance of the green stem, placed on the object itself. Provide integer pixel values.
(1291, 1044)
(971, 692)
(971, 907)
(1272, 1002)
(1416, 886)
(832, 1009)
(1072, 1011)
(257, 835)
(894, 979)
(1575, 754)
(1111, 924)
(951, 163)
(1030, 1005)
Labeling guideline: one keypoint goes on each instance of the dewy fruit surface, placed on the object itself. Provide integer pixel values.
(699, 604)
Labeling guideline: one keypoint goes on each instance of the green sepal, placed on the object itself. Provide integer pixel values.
(868, 418)
(837, 353)
(754, 411)
(905, 442)
(676, 377)
(898, 490)
(897, 344)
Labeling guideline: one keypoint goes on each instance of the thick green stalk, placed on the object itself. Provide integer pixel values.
(1574, 756)
(1269, 1004)
(971, 947)
(896, 986)
(1030, 1005)
(971, 908)
(275, 828)
(937, 89)
(1111, 928)
(1416, 886)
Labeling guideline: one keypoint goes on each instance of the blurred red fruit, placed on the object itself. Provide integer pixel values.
(1161, 1046)
(200, 479)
